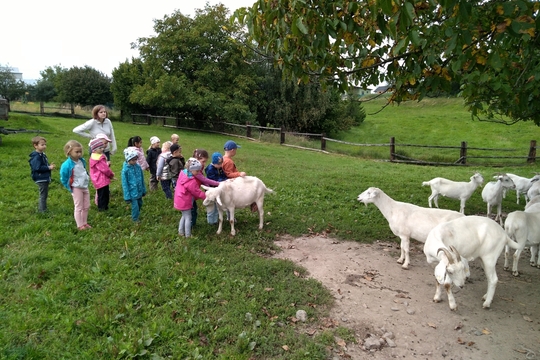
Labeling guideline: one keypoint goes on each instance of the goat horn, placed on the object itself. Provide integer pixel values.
(448, 255)
(454, 250)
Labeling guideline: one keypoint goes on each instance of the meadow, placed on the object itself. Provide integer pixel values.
(125, 290)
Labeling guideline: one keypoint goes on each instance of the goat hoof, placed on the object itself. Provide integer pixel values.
(515, 273)
(405, 267)
(533, 264)
(400, 261)
(437, 300)
(538, 266)
(506, 268)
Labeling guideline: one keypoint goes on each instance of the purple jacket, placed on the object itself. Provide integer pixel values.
(100, 172)
(187, 189)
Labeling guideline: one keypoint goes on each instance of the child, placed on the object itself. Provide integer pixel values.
(135, 143)
(100, 173)
(229, 167)
(41, 170)
(176, 163)
(214, 171)
(74, 177)
(187, 190)
(162, 172)
(133, 183)
(152, 155)
(202, 156)
(175, 138)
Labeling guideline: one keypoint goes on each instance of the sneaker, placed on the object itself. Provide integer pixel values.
(80, 228)
(86, 226)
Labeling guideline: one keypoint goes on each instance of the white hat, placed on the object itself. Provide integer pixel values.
(154, 139)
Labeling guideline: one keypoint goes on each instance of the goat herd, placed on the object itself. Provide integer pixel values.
(451, 239)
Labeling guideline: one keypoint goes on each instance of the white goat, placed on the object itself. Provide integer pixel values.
(534, 190)
(406, 220)
(453, 189)
(523, 184)
(468, 237)
(524, 228)
(534, 202)
(234, 194)
(492, 194)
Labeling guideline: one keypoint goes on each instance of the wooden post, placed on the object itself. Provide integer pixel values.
(532, 152)
(323, 142)
(148, 119)
(248, 129)
(282, 138)
(41, 108)
(463, 153)
(72, 110)
(392, 148)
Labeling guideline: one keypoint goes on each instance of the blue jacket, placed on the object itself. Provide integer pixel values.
(39, 165)
(215, 173)
(133, 181)
(66, 172)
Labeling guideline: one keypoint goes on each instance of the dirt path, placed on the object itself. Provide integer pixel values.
(373, 295)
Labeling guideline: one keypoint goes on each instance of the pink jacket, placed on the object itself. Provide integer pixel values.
(100, 172)
(187, 189)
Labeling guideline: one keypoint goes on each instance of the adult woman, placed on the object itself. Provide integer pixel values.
(99, 124)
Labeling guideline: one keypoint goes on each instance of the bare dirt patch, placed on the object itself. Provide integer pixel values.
(374, 295)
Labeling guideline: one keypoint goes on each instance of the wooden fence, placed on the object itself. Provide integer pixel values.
(462, 155)
(61, 109)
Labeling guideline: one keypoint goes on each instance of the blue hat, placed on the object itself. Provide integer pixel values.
(130, 153)
(217, 158)
(193, 164)
(230, 145)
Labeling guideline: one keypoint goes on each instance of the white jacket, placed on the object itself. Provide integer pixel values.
(93, 127)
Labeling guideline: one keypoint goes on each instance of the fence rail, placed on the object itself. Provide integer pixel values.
(307, 141)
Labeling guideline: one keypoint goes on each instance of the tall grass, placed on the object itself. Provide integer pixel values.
(124, 290)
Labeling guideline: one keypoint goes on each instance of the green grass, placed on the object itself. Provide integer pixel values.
(123, 290)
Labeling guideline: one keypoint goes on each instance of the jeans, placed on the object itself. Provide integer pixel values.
(166, 186)
(184, 227)
(194, 213)
(213, 216)
(43, 194)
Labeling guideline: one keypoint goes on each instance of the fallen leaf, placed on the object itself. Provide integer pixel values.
(268, 289)
(296, 273)
(339, 291)
(458, 326)
(285, 347)
(461, 342)
(311, 332)
(470, 343)
(486, 332)
(432, 325)
(526, 318)
(521, 351)
(341, 343)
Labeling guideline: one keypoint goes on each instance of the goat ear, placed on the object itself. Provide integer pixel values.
(440, 272)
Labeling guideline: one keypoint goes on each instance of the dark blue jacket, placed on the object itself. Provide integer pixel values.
(215, 173)
(39, 165)
(152, 155)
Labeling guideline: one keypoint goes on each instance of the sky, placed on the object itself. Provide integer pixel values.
(37, 34)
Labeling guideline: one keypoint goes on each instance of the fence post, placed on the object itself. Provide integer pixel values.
(392, 148)
(323, 142)
(248, 129)
(532, 152)
(148, 119)
(177, 121)
(72, 110)
(282, 136)
(463, 153)
(41, 108)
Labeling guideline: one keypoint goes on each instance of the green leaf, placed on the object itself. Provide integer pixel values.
(300, 25)
(386, 6)
(410, 11)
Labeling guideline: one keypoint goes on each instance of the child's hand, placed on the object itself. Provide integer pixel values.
(51, 166)
(242, 174)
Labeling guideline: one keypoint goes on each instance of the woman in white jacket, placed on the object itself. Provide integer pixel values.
(99, 124)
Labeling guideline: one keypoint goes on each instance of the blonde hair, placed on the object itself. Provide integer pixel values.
(70, 145)
(37, 139)
(166, 146)
(175, 136)
(96, 109)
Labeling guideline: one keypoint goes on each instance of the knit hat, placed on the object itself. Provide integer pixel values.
(154, 139)
(103, 137)
(96, 144)
(217, 158)
(230, 145)
(193, 164)
(130, 153)
(174, 147)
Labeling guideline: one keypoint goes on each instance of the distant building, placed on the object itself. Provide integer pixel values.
(381, 89)
(356, 92)
(15, 71)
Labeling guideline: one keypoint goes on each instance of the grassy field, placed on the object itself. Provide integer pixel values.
(123, 290)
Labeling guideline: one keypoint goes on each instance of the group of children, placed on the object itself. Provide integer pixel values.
(166, 164)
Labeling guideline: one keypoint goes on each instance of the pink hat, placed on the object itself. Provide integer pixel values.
(104, 137)
(96, 144)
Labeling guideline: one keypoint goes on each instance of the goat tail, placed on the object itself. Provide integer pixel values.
(268, 190)
(510, 242)
(426, 183)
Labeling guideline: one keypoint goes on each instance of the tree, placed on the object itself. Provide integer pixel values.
(10, 87)
(193, 67)
(84, 86)
(490, 47)
(126, 77)
(46, 88)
